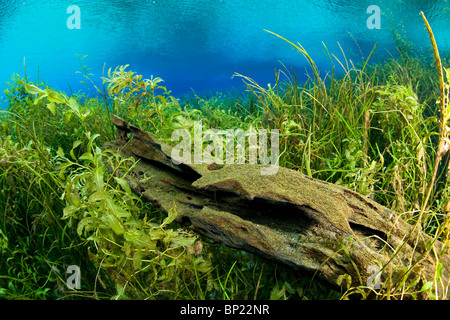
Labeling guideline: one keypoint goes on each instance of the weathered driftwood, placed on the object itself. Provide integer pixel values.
(288, 217)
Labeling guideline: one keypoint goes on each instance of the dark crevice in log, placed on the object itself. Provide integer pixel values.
(376, 238)
(284, 217)
(183, 171)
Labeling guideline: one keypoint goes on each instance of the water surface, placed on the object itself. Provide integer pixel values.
(199, 44)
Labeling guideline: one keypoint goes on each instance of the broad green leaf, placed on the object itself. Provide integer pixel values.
(39, 98)
(54, 96)
(120, 292)
(100, 195)
(427, 286)
(68, 116)
(156, 234)
(73, 104)
(113, 223)
(137, 260)
(123, 183)
(69, 211)
(202, 265)
(62, 171)
(289, 288)
(98, 179)
(75, 144)
(278, 294)
(140, 239)
(74, 179)
(84, 224)
(161, 98)
(51, 106)
(32, 89)
(440, 270)
(60, 152)
(73, 199)
(119, 212)
(174, 101)
(413, 284)
(172, 214)
(84, 115)
(87, 156)
(347, 278)
(93, 137)
(176, 239)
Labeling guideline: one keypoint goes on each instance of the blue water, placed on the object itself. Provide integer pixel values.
(197, 45)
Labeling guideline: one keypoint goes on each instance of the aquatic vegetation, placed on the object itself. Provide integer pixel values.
(153, 260)
(90, 218)
(128, 88)
(36, 245)
(444, 142)
(65, 201)
(102, 210)
(371, 137)
(137, 99)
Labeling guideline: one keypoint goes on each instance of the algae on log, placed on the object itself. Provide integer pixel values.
(288, 217)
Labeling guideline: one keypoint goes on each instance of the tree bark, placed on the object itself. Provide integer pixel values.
(288, 217)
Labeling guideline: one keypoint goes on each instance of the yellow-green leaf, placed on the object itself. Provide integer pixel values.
(54, 96)
(161, 98)
(73, 104)
(73, 199)
(60, 152)
(68, 116)
(87, 156)
(175, 239)
(278, 293)
(51, 106)
(84, 224)
(112, 222)
(347, 278)
(74, 145)
(123, 183)
(172, 214)
(137, 260)
(99, 195)
(140, 239)
(69, 211)
(427, 286)
(32, 89)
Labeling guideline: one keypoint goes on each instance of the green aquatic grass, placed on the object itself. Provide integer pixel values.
(63, 205)
(64, 201)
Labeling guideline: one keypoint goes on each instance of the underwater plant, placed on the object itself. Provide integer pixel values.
(137, 98)
(65, 200)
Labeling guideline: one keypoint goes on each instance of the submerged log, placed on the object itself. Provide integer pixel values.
(288, 217)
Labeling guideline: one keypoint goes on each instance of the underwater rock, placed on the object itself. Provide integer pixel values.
(288, 217)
